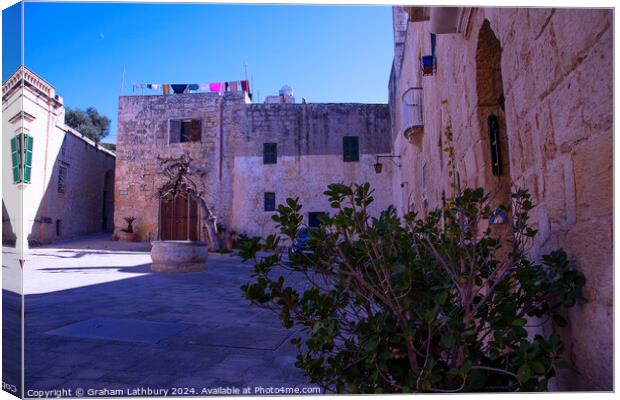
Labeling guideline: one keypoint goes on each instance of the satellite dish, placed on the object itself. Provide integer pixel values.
(286, 91)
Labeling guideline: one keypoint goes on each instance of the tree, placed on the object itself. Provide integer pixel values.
(109, 146)
(89, 123)
(435, 303)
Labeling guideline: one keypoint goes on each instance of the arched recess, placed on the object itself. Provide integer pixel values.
(107, 206)
(491, 117)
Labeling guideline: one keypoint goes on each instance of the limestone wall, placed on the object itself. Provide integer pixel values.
(554, 67)
(143, 135)
(310, 156)
(230, 155)
(79, 208)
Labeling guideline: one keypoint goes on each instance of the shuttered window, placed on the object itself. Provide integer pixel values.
(15, 159)
(270, 153)
(28, 163)
(270, 201)
(185, 130)
(21, 157)
(351, 148)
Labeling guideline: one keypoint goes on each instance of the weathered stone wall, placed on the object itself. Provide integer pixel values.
(143, 127)
(230, 155)
(555, 71)
(310, 156)
(80, 208)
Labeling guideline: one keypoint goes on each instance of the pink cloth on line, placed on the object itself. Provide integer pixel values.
(215, 87)
(233, 86)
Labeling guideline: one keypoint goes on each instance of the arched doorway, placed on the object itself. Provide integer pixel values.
(491, 116)
(178, 217)
(107, 206)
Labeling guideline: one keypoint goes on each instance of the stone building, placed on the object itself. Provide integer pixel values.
(248, 157)
(527, 93)
(57, 182)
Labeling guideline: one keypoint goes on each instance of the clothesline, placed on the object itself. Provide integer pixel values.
(217, 87)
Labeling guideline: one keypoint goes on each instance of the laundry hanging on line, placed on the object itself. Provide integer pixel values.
(214, 87)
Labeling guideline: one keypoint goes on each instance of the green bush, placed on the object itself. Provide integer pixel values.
(433, 304)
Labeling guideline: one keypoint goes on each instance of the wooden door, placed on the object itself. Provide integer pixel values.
(179, 219)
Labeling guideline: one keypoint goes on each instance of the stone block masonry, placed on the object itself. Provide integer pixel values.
(547, 75)
(229, 156)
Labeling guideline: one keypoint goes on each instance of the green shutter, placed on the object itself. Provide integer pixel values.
(15, 159)
(28, 164)
(350, 148)
(270, 153)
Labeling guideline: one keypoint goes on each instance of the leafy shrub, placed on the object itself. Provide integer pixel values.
(438, 303)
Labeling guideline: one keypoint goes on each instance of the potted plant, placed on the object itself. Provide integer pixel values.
(127, 234)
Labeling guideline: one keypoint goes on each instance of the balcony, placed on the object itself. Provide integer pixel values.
(412, 114)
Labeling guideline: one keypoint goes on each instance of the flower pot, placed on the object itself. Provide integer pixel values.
(127, 236)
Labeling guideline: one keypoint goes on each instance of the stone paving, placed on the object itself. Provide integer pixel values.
(224, 340)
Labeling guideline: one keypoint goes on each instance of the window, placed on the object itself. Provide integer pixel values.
(62, 178)
(16, 159)
(58, 227)
(496, 152)
(184, 130)
(21, 157)
(314, 219)
(424, 175)
(270, 153)
(351, 148)
(270, 201)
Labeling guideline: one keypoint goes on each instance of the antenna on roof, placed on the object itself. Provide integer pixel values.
(123, 81)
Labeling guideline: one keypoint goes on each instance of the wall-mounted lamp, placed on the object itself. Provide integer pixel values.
(498, 217)
(379, 167)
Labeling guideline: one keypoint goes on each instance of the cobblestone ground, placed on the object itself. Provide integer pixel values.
(221, 341)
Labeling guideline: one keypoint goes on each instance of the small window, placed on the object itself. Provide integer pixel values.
(424, 175)
(351, 148)
(185, 130)
(270, 201)
(62, 178)
(270, 153)
(314, 219)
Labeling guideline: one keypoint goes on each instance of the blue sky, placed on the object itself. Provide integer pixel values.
(326, 53)
(11, 40)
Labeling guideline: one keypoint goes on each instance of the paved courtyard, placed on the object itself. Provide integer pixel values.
(97, 318)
